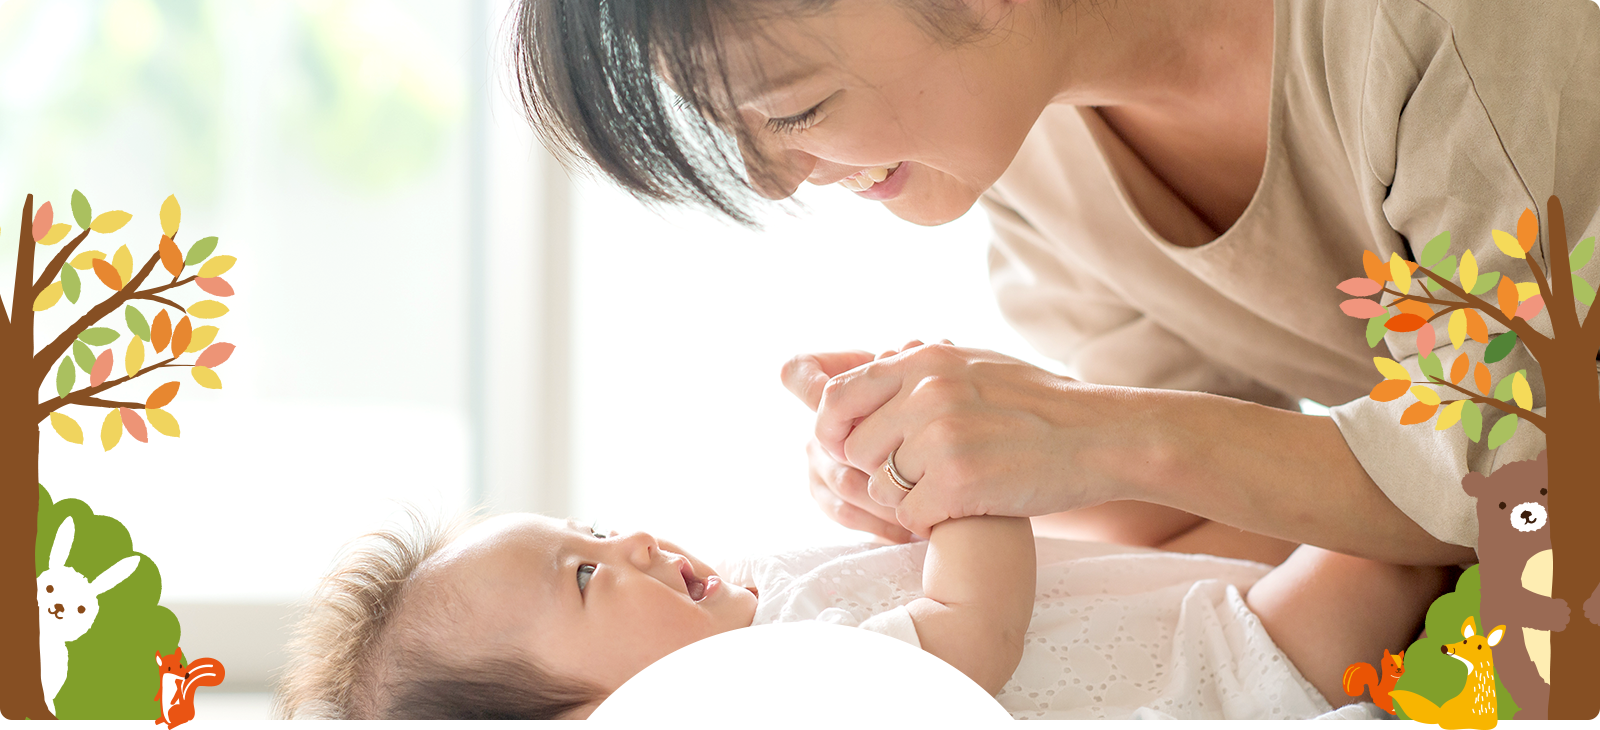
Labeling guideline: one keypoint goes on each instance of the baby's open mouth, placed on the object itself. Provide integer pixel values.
(695, 586)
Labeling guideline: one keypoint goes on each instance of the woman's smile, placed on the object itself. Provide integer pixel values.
(878, 183)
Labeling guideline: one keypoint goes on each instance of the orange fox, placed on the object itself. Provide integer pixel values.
(178, 685)
(1361, 676)
(1476, 707)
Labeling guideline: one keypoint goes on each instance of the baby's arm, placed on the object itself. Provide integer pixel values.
(978, 584)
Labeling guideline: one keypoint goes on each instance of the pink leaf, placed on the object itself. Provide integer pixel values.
(1362, 308)
(215, 355)
(1425, 340)
(214, 286)
(102, 368)
(135, 425)
(1531, 307)
(1360, 286)
(42, 218)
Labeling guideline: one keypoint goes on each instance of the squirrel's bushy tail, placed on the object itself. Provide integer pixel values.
(1358, 677)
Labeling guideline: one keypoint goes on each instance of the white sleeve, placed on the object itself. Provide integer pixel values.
(895, 624)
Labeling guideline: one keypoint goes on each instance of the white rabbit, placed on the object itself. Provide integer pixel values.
(68, 604)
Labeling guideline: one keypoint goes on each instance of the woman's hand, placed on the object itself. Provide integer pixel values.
(977, 433)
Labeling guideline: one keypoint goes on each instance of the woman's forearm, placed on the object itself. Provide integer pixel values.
(1278, 473)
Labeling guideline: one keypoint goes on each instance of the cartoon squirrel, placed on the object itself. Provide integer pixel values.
(1476, 707)
(178, 685)
(1360, 677)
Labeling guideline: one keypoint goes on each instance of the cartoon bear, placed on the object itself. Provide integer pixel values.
(1514, 566)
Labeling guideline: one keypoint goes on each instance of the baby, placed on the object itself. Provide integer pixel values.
(524, 616)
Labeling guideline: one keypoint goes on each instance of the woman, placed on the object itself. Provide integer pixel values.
(1176, 188)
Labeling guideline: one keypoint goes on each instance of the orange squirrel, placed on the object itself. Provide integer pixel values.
(179, 682)
(1361, 676)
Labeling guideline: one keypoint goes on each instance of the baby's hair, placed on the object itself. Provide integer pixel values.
(349, 660)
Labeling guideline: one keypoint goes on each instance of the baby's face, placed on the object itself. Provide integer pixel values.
(585, 606)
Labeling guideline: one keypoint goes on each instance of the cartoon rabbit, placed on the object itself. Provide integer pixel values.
(68, 605)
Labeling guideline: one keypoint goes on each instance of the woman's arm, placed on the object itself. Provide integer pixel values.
(978, 585)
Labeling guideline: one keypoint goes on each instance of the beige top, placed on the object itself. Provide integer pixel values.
(1391, 121)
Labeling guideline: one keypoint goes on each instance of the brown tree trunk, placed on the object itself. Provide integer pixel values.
(21, 694)
(1573, 439)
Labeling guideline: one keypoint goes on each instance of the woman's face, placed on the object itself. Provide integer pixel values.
(861, 89)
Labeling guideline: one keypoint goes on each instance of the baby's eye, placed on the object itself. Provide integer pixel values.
(584, 573)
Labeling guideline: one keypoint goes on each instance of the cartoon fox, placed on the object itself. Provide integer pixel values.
(1361, 676)
(178, 685)
(1476, 706)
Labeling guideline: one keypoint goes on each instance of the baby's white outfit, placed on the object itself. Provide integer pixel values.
(1117, 632)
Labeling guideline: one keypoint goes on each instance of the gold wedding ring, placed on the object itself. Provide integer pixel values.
(894, 474)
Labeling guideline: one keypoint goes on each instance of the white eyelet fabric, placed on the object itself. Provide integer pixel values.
(1117, 632)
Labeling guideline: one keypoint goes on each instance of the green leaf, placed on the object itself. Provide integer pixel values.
(200, 250)
(1502, 389)
(65, 377)
(1376, 330)
(98, 336)
(1446, 269)
(71, 285)
(83, 356)
(137, 324)
(1503, 430)
(1431, 366)
(81, 211)
(1472, 421)
(1435, 250)
(1486, 281)
(1581, 291)
(1499, 347)
(1582, 252)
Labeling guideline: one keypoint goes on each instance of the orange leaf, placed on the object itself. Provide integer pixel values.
(134, 425)
(1404, 323)
(1527, 230)
(161, 332)
(160, 397)
(108, 274)
(1507, 294)
(1389, 390)
(1480, 378)
(180, 337)
(1417, 413)
(1377, 269)
(1459, 369)
(171, 257)
(1476, 329)
(1412, 306)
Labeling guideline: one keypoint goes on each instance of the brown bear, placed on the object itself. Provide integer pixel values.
(1514, 544)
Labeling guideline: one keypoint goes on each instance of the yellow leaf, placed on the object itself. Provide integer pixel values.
(162, 422)
(85, 261)
(1468, 271)
(66, 428)
(1390, 369)
(217, 266)
(122, 261)
(208, 309)
(1520, 392)
(48, 297)
(57, 232)
(1400, 272)
(135, 357)
(1508, 245)
(1425, 394)
(202, 338)
(1527, 289)
(110, 221)
(171, 213)
(206, 377)
(111, 430)
(1458, 327)
(1449, 415)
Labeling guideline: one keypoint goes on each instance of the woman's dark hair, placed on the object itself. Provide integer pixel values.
(590, 74)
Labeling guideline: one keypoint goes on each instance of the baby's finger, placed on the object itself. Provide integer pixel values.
(845, 482)
(922, 508)
(855, 518)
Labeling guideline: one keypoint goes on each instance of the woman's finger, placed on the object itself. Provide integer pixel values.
(850, 397)
(885, 490)
(805, 375)
(841, 493)
(924, 507)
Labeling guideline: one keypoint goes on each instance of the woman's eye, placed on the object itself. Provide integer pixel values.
(797, 123)
(584, 573)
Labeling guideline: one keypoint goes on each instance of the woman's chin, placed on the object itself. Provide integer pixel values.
(931, 210)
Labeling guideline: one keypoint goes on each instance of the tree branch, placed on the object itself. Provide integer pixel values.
(154, 298)
(86, 397)
(1529, 416)
(53, 351)
(1531, 338)
(21, 288)
(56, 263)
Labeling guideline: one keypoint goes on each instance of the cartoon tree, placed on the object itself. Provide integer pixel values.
(1438, 286)
(155, 344)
